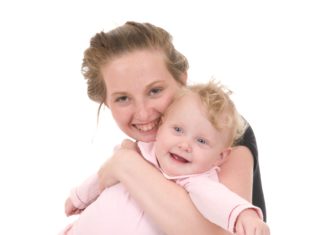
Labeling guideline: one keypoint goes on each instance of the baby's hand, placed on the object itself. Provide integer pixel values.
(70, 209)
(249, 223)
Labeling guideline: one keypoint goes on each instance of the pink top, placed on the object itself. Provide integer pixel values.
(115, 212)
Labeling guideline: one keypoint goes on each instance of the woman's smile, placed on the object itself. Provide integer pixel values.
(147, 126)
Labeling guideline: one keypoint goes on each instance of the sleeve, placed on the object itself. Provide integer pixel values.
(86, 193)
(216, 202)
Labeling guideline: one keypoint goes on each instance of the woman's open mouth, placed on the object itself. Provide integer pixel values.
(147, 126)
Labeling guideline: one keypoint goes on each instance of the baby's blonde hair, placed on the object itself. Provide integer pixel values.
(220, 109)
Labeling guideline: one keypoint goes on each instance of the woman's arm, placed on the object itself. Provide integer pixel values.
(166, 203)
(237, 172)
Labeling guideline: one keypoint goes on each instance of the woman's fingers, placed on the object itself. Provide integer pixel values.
(128, 144)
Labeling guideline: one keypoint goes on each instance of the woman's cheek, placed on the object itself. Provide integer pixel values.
(120, 116)
(164, 104)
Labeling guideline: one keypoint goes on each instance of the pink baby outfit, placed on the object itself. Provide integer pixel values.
(115, 212)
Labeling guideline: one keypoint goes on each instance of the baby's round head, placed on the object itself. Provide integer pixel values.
(220, 109)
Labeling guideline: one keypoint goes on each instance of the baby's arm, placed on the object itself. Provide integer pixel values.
(222, 206)
(82, 196)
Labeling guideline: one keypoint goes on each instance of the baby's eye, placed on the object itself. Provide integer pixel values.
(121, 99)
(155, 91)
(202, 141)
(177, 129)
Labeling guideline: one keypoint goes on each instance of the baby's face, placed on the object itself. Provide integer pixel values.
(186, 142)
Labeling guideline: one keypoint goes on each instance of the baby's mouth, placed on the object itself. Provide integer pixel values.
(178, 158)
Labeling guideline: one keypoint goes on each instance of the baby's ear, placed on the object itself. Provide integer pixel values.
(223, 155)
(226, 152)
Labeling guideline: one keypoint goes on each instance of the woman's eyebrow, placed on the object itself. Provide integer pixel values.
(159, 82)
(119, 93)
(147, 87)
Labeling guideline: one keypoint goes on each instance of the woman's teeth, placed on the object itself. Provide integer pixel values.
(146, 127)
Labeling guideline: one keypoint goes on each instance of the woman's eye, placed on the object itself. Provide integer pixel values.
(155, 91)
(121, 99)
(201, 141)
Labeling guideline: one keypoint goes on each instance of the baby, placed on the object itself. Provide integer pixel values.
(194, 138)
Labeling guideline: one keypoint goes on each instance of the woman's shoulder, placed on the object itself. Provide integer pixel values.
(248, 140)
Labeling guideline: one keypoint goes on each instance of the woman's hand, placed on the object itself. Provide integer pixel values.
(109, 170)
(128, 144)
(249, 223)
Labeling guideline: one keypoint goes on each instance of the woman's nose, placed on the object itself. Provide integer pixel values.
(143, 112)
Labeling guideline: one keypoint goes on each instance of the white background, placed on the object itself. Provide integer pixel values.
(270, 53)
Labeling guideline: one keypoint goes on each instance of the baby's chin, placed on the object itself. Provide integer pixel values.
(171, 174)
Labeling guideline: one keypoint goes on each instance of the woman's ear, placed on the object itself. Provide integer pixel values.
(183, 78)
(106, 104)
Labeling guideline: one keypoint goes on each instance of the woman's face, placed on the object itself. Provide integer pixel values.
(139, 89)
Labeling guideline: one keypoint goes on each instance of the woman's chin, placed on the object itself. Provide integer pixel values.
(148, 136)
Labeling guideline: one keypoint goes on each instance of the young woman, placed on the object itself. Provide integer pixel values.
(136, 71)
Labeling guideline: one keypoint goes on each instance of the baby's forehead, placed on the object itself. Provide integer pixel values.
(186, 104)
(188, 97)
